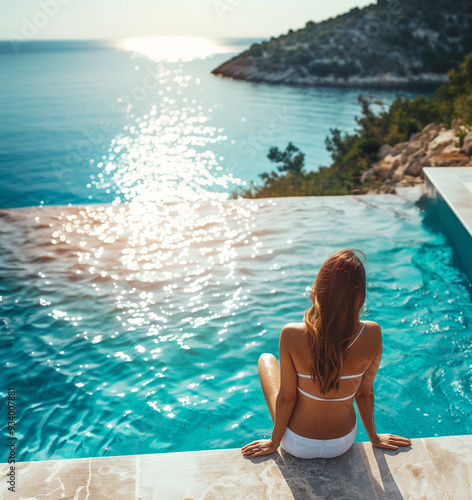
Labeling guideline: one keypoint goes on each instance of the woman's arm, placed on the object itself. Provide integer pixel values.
(365, 404)
(287, 396)
(365, 398)
(285, 402)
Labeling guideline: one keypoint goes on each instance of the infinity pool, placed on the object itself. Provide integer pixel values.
(136, 328)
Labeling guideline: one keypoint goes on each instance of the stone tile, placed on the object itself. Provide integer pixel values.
(452, 457)
(408, 473)
(92, 478)
(226, 474)
(221, 474)
(336, 478)
(432, 469)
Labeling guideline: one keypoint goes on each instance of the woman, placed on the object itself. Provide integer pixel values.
(325, 364)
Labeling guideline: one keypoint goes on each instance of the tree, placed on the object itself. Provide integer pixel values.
(292, 159)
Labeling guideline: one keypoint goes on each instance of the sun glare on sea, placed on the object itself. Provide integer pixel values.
(174, 48)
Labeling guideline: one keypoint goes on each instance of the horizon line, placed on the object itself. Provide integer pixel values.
(10, 40)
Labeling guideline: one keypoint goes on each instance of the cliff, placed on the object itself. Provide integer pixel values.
(390, 44)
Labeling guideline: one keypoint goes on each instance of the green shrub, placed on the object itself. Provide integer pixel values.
(298, 57)
(460, 134)
(321, 69)
(255, 51)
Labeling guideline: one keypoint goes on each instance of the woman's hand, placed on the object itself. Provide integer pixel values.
(390, 441)
(259, 448)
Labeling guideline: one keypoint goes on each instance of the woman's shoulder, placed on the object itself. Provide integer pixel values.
(293, 328)
(372, 325)
(372, 330)
(292, 333)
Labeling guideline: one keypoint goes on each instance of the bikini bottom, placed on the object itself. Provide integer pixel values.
(302, 447)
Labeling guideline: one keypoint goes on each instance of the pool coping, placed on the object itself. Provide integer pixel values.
(439, 467)
(449, 183)
(450, 199)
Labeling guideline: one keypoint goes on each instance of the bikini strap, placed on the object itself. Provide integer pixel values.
(308, 395)
(341, 377)
(358, 335)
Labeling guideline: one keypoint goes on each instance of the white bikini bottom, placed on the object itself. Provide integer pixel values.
(302, 447)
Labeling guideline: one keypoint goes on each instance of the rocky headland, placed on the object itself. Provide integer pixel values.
(389, 44)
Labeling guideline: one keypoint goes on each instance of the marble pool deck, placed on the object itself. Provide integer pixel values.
(449, 189)
(433, 468)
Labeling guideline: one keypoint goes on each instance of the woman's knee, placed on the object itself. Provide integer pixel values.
(266, 359)
(268, 365)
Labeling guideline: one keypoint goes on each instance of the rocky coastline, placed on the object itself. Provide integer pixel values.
(402, 165)
(247, 70)
(389, 44)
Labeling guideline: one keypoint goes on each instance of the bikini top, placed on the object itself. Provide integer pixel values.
(343, 377)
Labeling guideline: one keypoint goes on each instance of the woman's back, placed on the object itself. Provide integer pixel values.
(329, 415)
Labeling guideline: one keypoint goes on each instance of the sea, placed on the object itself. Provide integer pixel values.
(88, 121)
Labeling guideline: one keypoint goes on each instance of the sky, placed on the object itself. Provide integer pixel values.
(105, 19)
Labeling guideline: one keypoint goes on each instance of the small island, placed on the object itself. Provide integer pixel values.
(387, 44)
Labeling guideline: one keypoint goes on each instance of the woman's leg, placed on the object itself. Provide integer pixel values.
(269, 373)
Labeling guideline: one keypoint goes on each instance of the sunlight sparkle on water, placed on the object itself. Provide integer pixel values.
(174, 48)
(167, 153)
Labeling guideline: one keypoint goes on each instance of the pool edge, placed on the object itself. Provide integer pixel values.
(450, 199)
(432, 467)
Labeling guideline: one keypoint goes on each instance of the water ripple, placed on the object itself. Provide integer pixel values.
(125, 324)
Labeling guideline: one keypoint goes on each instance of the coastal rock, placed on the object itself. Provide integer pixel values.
(432, 127)
(452, 159)
(389, 163)
(416, 137)
(416, 163)
(384, 151)
(414, 146)
(402, 165)
(368, 176)
(387, 189)
(467, 147)
(399, 148)
(444, 139)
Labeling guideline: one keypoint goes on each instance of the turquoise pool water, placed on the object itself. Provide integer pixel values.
(136, 328)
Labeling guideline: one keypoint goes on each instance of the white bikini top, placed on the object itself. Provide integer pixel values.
(343, 377)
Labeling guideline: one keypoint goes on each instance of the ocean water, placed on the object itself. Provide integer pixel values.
(133, 119)
(135, 298)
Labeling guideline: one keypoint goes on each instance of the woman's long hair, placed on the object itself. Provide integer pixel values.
(337, 296)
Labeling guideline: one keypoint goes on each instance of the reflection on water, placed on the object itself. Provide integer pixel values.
(175, 48)
(135, 328)
(167, 154)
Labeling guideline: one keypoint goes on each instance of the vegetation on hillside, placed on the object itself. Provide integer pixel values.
(393, 39)
(353, 154)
